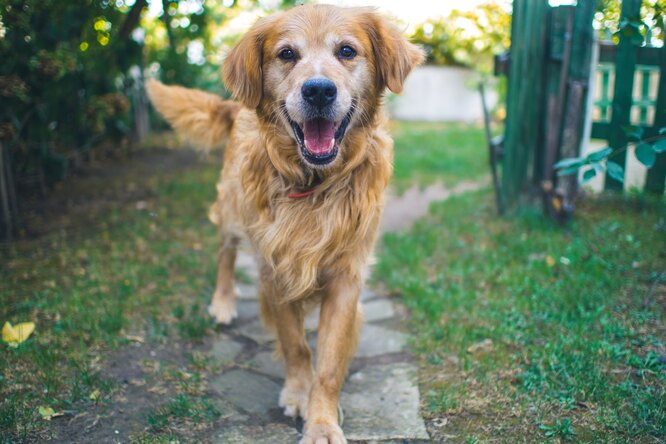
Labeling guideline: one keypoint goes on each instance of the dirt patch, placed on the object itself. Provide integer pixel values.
(101, 186)
(143, 378)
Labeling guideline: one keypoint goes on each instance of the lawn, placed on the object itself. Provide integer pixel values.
(438, 152)
(530, 332)
(135, 265)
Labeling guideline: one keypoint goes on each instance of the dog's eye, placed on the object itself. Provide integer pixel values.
(347, 52)
(287, 54)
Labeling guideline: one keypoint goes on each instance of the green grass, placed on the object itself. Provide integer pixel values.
(133, 271)
(181, 411)
(438, 152)
(533, 332)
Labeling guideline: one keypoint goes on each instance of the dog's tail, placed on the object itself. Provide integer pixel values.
(202, 118)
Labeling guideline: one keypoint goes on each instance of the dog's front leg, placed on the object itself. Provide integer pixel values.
(294, 397)
(339, 324)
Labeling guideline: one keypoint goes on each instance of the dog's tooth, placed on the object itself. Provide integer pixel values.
(330, 145)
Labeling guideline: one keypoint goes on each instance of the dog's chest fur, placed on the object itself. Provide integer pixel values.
(310, 239)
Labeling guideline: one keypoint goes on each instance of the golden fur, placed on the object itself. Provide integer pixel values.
(312, 249)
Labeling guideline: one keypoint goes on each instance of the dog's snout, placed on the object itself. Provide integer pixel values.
(319, 92)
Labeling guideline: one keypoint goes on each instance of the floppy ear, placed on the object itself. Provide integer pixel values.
(394, 55)
(242, 70)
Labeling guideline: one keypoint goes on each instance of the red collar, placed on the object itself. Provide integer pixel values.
(299, 195)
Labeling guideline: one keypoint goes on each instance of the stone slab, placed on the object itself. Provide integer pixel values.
(247, 265)
(247, 309)
(247, 291)
(268, 434)
(264, 363)
(382, 403)
(253, 393)
(368, 294)
(378, 310)
(312, 320)
(256, 331)
(225, 349)
(376, 341)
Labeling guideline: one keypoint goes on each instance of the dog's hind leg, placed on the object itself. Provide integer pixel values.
(223, 305)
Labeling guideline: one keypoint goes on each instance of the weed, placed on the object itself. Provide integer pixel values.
(561, 429)
(180, 410)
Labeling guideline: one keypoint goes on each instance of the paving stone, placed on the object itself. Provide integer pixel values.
(368, 293)
(247, 291)
(263, 362)
(312, 320)
(378, 310)
(382, 403)
(228, 411)
(225, 349)
(247, 265)
(269, 434)
(256, 331)
(249, 391)
(377, 341)
(247, 309)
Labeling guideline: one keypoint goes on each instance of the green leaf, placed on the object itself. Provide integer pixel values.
(633, 132)
(599, 155)
(659, 146)
(567, 171)
(615, 171)
(568, 162)
(645, 154)
(589, 174)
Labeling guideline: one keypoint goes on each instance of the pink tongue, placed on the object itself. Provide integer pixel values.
(319, 134)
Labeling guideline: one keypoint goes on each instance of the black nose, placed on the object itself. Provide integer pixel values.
(319, 92)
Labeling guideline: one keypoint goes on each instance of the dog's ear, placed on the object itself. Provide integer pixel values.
(394, 55)
(242, 68)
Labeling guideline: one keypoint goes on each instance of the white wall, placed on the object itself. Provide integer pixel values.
(440, 93)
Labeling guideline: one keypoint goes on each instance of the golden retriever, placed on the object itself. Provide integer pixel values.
(306, 165)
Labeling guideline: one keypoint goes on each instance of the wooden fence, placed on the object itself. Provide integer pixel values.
(549, 75)
(631, 92)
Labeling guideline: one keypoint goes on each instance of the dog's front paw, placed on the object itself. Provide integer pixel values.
(294, 399)
(223, 309)
(323, 434)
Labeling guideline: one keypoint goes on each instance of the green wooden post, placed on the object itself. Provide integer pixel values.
(622, 97)
(576, 101)
(524, 132)
(557, 78)
(657, 174)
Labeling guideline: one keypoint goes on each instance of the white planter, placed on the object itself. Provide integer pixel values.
(440, 93)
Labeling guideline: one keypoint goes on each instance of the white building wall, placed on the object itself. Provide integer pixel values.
(441, 94)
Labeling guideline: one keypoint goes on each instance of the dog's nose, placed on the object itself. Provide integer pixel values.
(319, 92)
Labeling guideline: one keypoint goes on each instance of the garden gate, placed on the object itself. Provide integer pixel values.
(549, 72)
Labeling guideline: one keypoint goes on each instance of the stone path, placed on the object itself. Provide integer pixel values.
(380, 398)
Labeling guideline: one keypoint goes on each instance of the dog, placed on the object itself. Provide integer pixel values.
(306, 165)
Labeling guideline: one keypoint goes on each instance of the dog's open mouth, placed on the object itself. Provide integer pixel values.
(319, 139)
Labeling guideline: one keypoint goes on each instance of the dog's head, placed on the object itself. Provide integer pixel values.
(320, 71)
